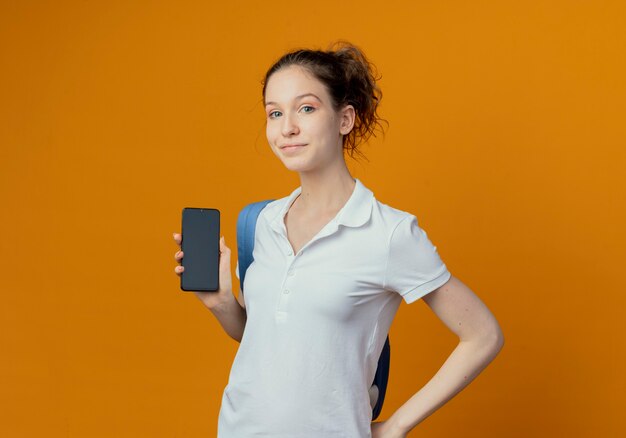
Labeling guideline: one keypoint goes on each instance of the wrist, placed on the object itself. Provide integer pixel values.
(396, 426)
(220, 304)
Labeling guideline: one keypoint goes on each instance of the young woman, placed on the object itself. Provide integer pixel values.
(331, 267)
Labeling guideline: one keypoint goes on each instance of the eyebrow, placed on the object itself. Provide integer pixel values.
(297, 97)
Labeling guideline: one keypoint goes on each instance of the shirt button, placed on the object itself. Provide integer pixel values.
(286, 291)
(290, 252)
(291, 273)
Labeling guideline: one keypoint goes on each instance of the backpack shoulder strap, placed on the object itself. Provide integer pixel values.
(246, 226)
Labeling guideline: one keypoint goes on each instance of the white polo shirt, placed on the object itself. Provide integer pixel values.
(318, 319)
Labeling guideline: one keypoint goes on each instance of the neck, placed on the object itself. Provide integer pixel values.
(326, 191)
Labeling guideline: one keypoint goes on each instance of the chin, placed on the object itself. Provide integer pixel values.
(296, 164)
(296, 167)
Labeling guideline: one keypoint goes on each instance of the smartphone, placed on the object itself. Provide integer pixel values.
(201, 251)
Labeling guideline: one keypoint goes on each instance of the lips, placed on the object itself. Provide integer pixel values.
(292, 145)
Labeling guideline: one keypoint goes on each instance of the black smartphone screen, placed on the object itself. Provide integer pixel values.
(200, 246)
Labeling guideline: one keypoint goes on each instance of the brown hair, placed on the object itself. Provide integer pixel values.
(350, 79)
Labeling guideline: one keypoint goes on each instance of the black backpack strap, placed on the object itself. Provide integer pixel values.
(381, 378)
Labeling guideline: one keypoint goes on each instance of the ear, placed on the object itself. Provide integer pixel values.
(347, 116)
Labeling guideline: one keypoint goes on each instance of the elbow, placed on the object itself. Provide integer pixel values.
(487, 336)
(236, 336)
(490, 341)
(495, 340)
(500, 341)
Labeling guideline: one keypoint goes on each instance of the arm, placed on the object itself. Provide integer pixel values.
(232, 316)
(480, 340)
(230, 312)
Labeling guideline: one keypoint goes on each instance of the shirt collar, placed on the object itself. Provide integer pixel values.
(355, 212)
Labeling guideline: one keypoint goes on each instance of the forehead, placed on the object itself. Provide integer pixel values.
(290, 82)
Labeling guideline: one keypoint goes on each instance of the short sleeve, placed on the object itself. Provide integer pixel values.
(414, 267)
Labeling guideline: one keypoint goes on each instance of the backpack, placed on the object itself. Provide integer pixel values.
(246, 225)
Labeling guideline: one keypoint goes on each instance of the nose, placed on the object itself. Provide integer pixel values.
(290, 125)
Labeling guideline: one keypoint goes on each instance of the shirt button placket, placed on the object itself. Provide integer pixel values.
(286, 291)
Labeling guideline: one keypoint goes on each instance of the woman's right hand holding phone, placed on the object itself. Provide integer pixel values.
(225, 292)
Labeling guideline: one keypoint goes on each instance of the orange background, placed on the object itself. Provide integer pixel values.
(506, 140)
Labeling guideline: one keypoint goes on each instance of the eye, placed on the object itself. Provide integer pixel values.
(309, 107)
(271, 114)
